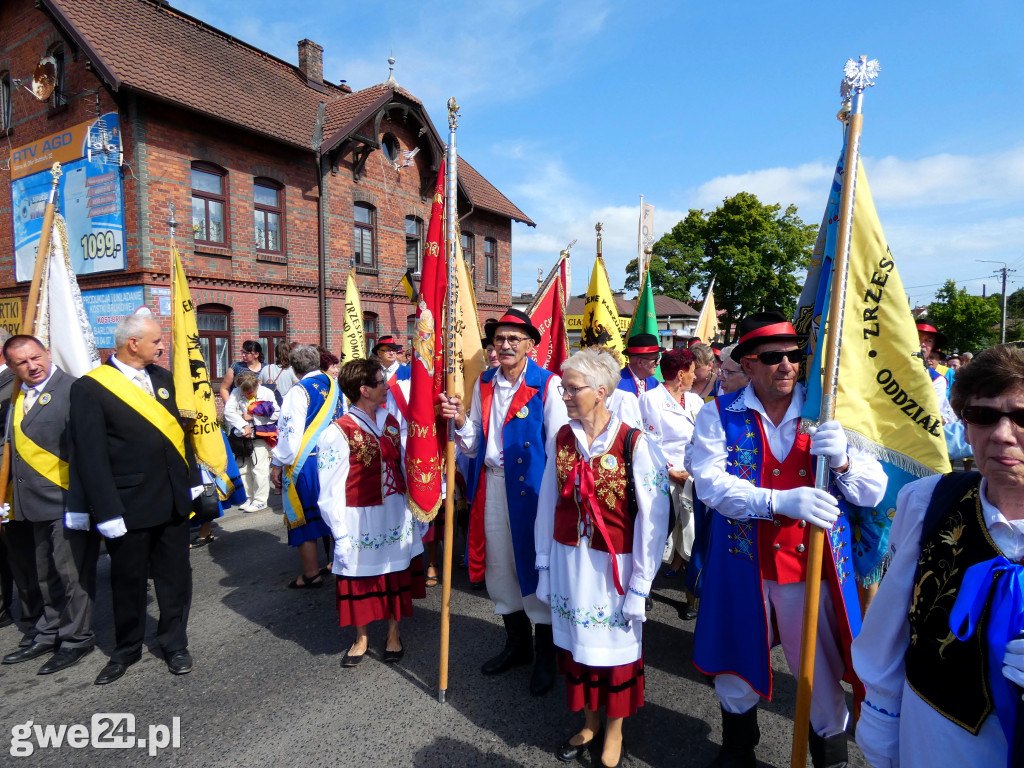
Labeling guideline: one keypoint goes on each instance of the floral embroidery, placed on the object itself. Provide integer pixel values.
(609, 484)
(363, 448)
(942, 571)
(656, 481)
(396, 535)
(328, 458)
(563, 463)
(594, 617)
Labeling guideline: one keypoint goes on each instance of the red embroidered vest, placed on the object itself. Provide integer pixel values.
(782, 546)
(609, 490)
(375, 470)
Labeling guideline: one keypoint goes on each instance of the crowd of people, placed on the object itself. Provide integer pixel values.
(580, 487)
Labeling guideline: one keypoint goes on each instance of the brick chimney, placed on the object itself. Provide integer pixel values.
(311, 62)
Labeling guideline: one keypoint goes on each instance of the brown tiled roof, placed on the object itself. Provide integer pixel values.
(152, 48)
(164, 53)
(485, 195)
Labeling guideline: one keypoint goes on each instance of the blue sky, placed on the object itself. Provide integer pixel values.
(574, 109)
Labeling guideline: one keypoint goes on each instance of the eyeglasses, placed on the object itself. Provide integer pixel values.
(645, 358)
(730, 371)
(512, 341)
(774, 357)
(983, 416)
(376, 383)
(571, 391)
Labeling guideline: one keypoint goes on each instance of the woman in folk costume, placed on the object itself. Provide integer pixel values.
(378, 545)
(669, 413)
(600, 533)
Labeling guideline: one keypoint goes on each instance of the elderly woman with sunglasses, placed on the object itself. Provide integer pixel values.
(378, 545)
(600, 532)
(940, 652)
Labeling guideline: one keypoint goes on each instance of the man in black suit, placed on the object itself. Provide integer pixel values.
(138, 473)
(59, 562)
(6, 576)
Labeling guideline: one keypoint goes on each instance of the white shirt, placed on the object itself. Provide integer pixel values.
(237, 404)
(292, 425)
(138, 375)
(555, 416)
(38, 388)
(669, 423)
(863, 484)
(925, 738)
(391, 370)
(625, 407)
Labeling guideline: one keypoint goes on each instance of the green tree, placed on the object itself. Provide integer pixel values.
(752, 250)
(967, 321)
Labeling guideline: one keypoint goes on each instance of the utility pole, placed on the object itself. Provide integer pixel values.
(1003, 271)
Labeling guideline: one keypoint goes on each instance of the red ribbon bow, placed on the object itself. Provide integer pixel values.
(593, 516)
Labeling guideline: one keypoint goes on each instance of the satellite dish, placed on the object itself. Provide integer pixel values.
(44, 79)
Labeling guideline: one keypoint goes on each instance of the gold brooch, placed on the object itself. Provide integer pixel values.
(45, 398)
(163, 393)
(609, 462)
(523, 413)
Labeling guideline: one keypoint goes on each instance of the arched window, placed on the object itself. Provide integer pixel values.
(469, 253)
(414, 244)
(214, 321)
(59, 96)
(370, 330)
(490, 262)
(268, 211)
(273, 329)
(209, 204)
(390, 146)
(5, 102)
(363, 253)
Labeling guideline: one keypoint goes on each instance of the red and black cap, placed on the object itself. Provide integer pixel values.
(643, 344)
(517, 318)
(940, 338)
(760, 327)
(386, 341)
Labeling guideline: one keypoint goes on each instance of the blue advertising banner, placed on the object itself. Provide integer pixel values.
(106, 307)
(90, 196)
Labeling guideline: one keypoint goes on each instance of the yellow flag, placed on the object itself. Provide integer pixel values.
(470, 360)
(353, 342)
(192, 388)
(707, 323)
(601, 315)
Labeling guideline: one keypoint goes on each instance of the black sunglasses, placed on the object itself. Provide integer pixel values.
(795, 356)
(983, 416)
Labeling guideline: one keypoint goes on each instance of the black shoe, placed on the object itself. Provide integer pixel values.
(29, 652)
(476, 586)
(179, 662)
(113, 671)
(391, 657)
(567, 751)
(687, 612)
(5, 618)
(348, 660)
(828, 752)
(64, 658)
(740, 735)
(545, 669)
(518, 648)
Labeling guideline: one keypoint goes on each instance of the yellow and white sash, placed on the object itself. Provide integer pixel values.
(122, 387)
(44, 463)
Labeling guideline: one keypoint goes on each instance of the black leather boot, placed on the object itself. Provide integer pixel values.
(740, 735)
(544, 667)
(518, 648)
(828, 752)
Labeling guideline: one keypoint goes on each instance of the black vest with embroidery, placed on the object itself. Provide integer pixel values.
(950, 675)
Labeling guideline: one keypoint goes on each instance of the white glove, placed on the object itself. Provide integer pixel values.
(342, 554)
(878, 736)
(5, 513)
(544, 586)
(830, 440)
(111, 529)
(76, 521)
(634, 608)
(816, 507)
(197, 491)
(1013, 662)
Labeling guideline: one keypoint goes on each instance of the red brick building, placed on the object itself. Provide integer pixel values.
(281, 180)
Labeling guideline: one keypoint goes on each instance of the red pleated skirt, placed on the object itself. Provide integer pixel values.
(362, 599)
(620, 690)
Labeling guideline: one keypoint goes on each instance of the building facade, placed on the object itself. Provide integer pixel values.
(281, 182)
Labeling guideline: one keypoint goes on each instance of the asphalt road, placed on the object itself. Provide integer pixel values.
(267, 689)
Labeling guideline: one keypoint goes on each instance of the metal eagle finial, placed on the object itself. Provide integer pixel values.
(860, 73)
(172, 223)
(453, 114)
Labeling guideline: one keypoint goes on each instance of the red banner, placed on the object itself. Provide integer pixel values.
(547, 313)
(425, 441)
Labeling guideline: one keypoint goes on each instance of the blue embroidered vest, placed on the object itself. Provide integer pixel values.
(307, 480)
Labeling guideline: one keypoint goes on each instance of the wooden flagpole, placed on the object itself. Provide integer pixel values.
(859, 75)
(451, 233)
(28, 324)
